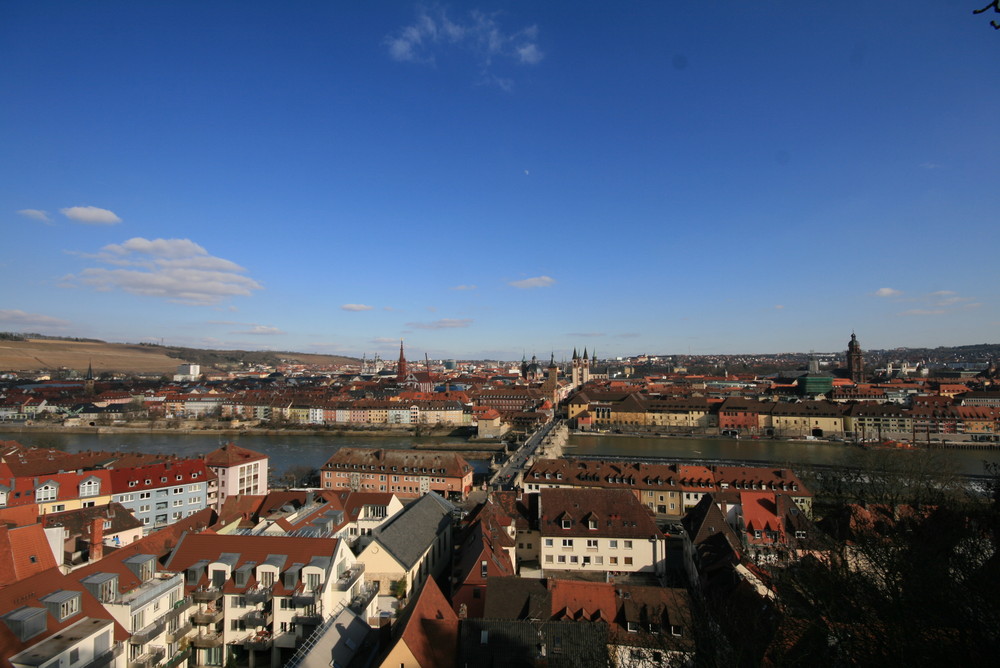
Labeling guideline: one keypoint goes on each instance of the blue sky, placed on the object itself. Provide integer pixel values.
(487, 179)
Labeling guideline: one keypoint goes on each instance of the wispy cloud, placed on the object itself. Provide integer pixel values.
(627, 335)
(779, 307)
(261, 330)
(478, 35)
(888, 292)
(384, 339)
(35, 214)
(356, 307)
(464, 287)
(535, 282)
(586, 335)
(91, 215)
(178, 270)
(444, 323)
(941, 302)
(17, 318)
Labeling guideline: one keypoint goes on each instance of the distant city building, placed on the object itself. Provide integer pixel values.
(855, 360)
(187, 372)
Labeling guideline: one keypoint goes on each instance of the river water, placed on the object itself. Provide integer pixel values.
(313, 450)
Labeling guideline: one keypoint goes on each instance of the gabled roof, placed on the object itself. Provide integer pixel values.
(409, 533)
(24, 551)
(431, 631)
(231, 454)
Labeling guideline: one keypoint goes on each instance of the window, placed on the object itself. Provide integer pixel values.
(628, 561)
(548, 542)
(562, 559)
(591, 544)
(613, 544)
(592, 524)
(548, 558)
(613, 561)
(46, 493)
(143, 495)
(567, 524)
(628, 545)
(567, 543)
(482, 569)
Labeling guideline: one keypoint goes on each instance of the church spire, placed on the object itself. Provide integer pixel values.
(401, 367)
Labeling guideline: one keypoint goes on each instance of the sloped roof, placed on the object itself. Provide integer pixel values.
(24, 551)
(431, 631)
(409, 533)
(231, 454)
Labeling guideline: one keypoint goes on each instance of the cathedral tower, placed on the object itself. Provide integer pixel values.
(855, 360)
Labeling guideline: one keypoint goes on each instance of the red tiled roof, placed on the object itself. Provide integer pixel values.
(232, 455)
(24, 551)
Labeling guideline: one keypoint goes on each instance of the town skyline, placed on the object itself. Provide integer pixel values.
(491, 180)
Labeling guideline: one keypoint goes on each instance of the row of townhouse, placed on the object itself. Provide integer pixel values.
(804, 419)
(358, 412)
(668, 490)
(405, 472)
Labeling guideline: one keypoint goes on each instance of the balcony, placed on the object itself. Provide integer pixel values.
(258, 641)
(180, 607)
(183, 630)
(148, 632)
(206, 595)
(149, 658)
(347, 580)
(257, 618)
(207, 640)
(106, 659)
(258, 594)
(210, 616)
(307, 618)
(177, 659)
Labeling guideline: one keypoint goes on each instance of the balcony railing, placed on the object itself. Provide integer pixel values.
(347, 580)
(106, 659)
(307, 618)
(207, 640)
(148, 632)
(303, 597)
(258, 641)
(257, 618)
(207, 616)
(177, 659)
(206, 594)
(183, 630)
(258, 594)
(180, 607)
(148, 659)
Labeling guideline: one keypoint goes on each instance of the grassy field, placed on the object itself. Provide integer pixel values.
(43, 354)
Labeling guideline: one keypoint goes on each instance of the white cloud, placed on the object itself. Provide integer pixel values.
(91, 215)
(356, 307)
(384, 339)
(261, 330)
(464, 287)
(477, 35)
(36, 214)
(586, 335)
(444, 323)
(177, 270)
(923, 311)
(17, 318)
(535, 282)
(888, 292)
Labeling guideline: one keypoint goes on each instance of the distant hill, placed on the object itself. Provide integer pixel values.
(50, 354)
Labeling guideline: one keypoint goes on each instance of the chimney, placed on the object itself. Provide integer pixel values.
(97, 539)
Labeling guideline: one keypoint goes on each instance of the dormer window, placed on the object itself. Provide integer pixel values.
(567, 523)
(62, 604)
(91, 487)
(592, 524)
(46, 492)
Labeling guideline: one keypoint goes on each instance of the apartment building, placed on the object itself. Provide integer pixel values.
(257, 598)
(598, 530)
(239, 470)
(409, 473)
(164, 492)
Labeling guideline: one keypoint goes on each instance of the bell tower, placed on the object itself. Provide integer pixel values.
(855, 360)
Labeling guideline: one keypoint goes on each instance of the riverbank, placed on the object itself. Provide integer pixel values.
(961, 444)
(234, 432)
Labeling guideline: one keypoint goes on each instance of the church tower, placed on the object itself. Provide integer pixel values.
(855, 360)
(88, 382)
(401, 366)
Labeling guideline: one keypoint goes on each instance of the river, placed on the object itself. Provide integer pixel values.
(314, 450)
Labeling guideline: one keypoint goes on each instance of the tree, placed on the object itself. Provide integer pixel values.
(995, 6)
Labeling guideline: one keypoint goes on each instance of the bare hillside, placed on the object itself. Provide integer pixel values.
(52, 354)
